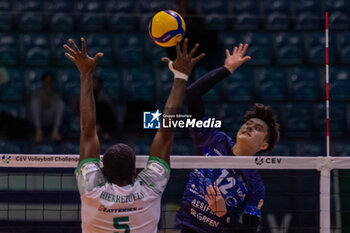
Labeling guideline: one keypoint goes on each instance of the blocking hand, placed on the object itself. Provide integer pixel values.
(81, 59)
(184, 61)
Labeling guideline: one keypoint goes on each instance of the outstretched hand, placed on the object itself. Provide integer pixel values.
(81, 59)
(185, 61)
(215, 201)
(232, 62)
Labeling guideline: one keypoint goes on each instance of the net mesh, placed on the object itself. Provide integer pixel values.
(39, 193)
(39, 200)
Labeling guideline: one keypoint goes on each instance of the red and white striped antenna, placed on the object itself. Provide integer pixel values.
(327, 87)
(327, 224)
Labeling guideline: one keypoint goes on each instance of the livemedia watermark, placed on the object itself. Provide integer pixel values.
(156, 120)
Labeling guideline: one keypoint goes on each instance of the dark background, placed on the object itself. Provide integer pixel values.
(287, 71)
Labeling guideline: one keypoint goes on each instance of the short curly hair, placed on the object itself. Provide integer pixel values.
(265, 114)
(119, 163)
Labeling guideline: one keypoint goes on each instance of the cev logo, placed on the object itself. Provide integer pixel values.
(6, 159)
(260, 161)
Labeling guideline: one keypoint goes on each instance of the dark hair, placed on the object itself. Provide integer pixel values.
(119, 163)
(266, 114)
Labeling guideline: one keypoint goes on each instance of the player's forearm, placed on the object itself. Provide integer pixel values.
(163, 140)
(195, 105)
(208, 81)
(87, 105)
(175, 99)
(200, 87)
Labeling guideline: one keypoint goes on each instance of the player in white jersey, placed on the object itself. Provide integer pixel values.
(113, 199)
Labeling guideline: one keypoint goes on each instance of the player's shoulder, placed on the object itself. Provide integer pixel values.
(220, 137)
(89, 175)
(88, 165)
(158, 165)
(155, 176)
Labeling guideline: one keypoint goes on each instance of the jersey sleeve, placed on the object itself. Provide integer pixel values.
(89, 175)
(256, 195)
(156, 175)
(202, 136)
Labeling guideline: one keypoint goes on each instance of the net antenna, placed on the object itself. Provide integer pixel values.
(335, 172)
(327, 84)
(325, 184)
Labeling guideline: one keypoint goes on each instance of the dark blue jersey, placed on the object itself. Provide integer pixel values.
(242, 189)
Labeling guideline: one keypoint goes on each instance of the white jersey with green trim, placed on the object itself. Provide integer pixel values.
(107, 207)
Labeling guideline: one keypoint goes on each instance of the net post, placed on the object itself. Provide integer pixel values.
(325, 205)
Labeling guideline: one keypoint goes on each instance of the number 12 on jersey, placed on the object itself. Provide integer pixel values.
(119, 223)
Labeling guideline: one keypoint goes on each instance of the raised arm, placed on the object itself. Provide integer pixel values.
(89, 143)
(183, 65)
(204, 84)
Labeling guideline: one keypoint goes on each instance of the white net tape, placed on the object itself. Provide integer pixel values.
(188, 162)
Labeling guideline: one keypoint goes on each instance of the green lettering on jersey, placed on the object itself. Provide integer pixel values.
(117, 223)
(121, 199)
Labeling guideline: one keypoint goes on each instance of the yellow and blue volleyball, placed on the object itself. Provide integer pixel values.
(166, 28)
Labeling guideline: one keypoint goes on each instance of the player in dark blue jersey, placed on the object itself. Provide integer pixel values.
(226, 200)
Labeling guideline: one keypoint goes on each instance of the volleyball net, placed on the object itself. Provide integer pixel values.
(38, 193)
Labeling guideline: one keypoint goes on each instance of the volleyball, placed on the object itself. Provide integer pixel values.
(166, 28)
